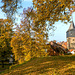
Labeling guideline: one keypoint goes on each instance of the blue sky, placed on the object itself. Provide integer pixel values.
(61, 28)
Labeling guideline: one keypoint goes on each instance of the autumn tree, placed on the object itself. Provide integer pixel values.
(27, 42)
(52, 10)
(5, 38)
(20, 44)
(38, 36)
(10, 7)
(47, 10)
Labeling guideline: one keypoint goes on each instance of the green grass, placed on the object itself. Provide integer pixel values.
(54, 65)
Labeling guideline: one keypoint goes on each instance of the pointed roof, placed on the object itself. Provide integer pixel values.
(71, 26)
(71, 30)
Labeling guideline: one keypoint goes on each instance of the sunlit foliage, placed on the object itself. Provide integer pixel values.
(26, 42)
(52, 10)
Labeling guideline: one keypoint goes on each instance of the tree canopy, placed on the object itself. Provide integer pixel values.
(47, 10)
(53, 10)
(10, 7)
(27, 43)
(30, 37)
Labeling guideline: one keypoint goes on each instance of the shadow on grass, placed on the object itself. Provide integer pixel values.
(70, 71)
(42, 65)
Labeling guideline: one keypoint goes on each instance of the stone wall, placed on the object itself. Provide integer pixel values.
(71, 42)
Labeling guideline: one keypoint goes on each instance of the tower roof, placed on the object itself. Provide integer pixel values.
(71, 26)
(71, 30)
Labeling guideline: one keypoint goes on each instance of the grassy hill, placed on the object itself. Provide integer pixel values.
(54, 65)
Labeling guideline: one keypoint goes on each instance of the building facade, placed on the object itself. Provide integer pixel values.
(71, 37)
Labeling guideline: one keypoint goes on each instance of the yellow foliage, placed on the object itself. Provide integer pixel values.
(27, 44)
(51, 10)
(21, 60)
(28, 57)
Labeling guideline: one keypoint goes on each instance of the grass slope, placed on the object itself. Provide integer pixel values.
(54, 65)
